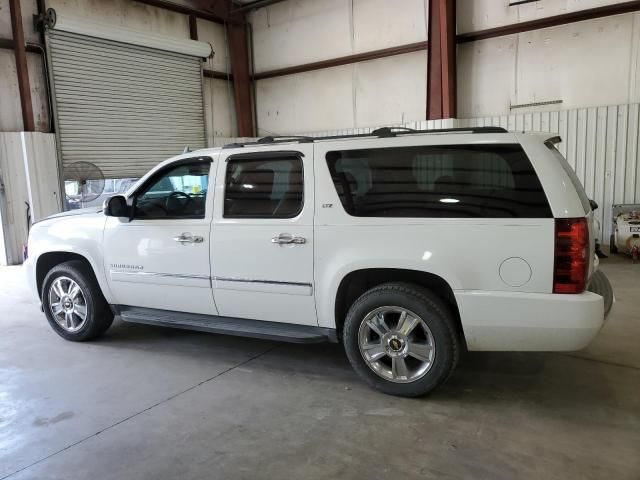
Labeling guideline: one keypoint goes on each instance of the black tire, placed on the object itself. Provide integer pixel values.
(436, 315)
(613, 248)
(601, 285)
(98, 314)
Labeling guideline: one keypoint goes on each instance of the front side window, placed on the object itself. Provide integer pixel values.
(179, 192)
(270, 187)
(451, 181)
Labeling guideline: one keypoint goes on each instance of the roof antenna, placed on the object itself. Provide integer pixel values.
(186, 149)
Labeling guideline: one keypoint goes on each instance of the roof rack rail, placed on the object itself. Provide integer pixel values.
(383, 132)
(284, 138)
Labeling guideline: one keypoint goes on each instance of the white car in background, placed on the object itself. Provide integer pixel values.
(406, 246)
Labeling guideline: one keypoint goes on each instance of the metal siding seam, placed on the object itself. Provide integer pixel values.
(581, 147)
(592, 129)
(572, 119)
(562, 130)
(609, 167)
(536, 122)
(620, 157)
(553, 122)
(600, 161)
(528, 122)
(632, 184)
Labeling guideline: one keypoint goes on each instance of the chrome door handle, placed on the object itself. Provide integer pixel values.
(288, 239)
(188, 238)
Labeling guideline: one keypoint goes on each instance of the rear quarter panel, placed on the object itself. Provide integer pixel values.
(466, 253)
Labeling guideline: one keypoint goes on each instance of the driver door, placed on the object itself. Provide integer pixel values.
(160, 259)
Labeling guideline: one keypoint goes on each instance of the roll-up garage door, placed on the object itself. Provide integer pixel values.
(121, 106)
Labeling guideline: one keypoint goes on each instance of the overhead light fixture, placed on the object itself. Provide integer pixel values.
(449, 200)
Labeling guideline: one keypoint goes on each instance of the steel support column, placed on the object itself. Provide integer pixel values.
(19, 44)
(239, 53)
(441, 73)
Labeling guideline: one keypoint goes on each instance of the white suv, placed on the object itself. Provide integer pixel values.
(405, 246)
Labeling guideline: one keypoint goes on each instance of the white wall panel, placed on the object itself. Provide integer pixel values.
(482, 14)
(214, 34)
(13, 195)
(634, 61)
(596, 62)
(10, 112)
(486, 73)
(391, 90)
(28, 169)
(316, 100)
(219, 110)
(41, 172)
(379, 24)
(301, 31)
(584, 63)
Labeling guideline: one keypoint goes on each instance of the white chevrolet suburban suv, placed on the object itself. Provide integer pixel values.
(406, 246)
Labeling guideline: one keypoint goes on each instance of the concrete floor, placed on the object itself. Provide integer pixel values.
(157, 403)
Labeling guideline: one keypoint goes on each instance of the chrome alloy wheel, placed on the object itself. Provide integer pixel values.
(68, 304)
(396, 344)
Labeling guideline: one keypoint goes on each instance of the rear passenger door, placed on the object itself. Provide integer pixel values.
(262, 235)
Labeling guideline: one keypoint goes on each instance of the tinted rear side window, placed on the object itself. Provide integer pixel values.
(451, 181)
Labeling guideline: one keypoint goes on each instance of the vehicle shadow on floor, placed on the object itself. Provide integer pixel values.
(552, 381)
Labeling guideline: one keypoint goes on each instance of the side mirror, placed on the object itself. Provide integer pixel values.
(116, 206)
(593, 204)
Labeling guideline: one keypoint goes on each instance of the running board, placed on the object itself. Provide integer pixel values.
(241, 327)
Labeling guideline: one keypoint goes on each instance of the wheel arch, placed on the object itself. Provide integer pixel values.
(357, 282)
(46, 261)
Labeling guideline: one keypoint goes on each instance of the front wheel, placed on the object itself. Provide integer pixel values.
(73, 303)
(401, 339)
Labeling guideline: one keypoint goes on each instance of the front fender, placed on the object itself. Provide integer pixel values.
(79, 235)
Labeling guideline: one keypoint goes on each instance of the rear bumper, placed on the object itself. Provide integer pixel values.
(508, 321)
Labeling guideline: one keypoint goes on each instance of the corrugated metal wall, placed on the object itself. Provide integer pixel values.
(600, 143)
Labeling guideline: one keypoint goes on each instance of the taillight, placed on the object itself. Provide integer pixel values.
(571, 264)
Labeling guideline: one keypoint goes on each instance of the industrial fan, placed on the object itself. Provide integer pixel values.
(84, 183)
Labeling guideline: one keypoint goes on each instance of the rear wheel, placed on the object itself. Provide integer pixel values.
(73, 303)
(401, 339)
